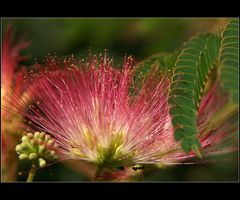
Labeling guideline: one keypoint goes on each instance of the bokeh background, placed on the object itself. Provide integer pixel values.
(139, 37)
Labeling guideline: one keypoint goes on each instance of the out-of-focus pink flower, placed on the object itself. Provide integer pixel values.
(12, 82)
(10, 62)
(93, 117)
(12, 71)
(217, 121)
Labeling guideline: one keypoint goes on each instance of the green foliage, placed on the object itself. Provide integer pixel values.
(192, 69)
(230, 59)
(163, 62)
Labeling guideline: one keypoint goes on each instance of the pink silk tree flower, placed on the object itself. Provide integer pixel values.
(12, 82)
(217, 121)
(12, 71)
(10, 62)
(89, 110)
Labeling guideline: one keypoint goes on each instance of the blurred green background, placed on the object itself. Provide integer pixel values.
(139, 37)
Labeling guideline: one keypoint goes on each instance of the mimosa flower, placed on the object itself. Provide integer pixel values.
(11, 83)
(10, 63)
(89, 110)
(217, 121)
(12, 71)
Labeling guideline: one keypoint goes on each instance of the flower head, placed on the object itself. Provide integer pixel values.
(89, 110)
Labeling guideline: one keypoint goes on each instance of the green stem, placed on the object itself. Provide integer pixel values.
(32, 173)
(98, 172)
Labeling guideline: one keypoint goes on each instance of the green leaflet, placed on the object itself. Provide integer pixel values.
(191, 72)
(229, 59)
(163, 61)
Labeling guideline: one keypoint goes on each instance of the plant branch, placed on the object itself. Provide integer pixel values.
(32, 173)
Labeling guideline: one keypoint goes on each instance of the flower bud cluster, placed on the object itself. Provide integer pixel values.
(38, 147)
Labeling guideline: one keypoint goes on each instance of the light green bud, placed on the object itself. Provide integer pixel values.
(41, 135)
(24, 138)
(33, 156)
(39, 140)
(36, 134)
(42, 162)
(23, 145)
(33, 141)
(41, 148)
(52, 153)
(47, 137)
(50, 142)
(23, 156)
(18, 148)
(30, 135)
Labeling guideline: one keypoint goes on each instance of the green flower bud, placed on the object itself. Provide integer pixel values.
(18, 148)
(41, 135)
(50, 142)
(36, 134)
(36, 147)
(23, 156)
(52, 153)
(33, 141)
(24, 138)
(33, 156)
(39, 140)
(30, 135)
(47, 137)
(41, 148)
(42, 162)
(23, 145)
